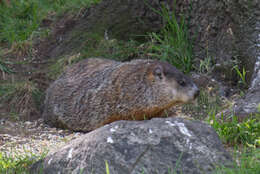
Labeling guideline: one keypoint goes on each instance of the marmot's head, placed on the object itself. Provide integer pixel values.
(173, 84)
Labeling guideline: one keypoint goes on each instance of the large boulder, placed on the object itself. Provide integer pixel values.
(160, 145)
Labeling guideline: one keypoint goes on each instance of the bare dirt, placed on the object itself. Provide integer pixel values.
(31, 137)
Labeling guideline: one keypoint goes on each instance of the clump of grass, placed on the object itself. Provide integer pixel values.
(246, 162)
(246, 133)
(172, 43)
(22, 98)
(107, 168)
(22, 48)
(18, 163)
(4, 69)
(243, 135)
(206, 65)
(242, 76)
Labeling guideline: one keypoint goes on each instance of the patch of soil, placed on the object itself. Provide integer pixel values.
(34, 137)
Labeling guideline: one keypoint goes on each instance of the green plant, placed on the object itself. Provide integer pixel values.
(172, 43)
(233, 132)
(205, 65)
(242, 75)
(246, 162)
(107, 168)
(18, 20)
(21, 19)
(22, 48)
(21, 98)
(18, 163)
(4, 68)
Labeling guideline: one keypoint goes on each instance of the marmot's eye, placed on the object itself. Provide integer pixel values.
(158, 72)
(182, 83)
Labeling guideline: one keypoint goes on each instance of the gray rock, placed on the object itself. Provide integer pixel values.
(160, 145)
(249, 104)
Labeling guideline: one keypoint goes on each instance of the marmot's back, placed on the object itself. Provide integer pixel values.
(95, 92)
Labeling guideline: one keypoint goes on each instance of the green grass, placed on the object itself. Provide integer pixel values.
(20, 99)
(4, 65)
(8, 90)
(246, 133)
(206, 65)
(242, 76)
(16, 163)
(172, 44)
(247, 162)
(20, 20)
(4, 68)
(243, 135)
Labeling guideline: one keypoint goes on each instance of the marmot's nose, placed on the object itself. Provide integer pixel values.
(197, 93)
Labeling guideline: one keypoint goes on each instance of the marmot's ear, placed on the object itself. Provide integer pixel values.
(158, 72)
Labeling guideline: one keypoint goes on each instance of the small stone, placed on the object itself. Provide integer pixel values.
(27, 123)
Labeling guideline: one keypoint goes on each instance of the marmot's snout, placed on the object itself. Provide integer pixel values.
(189, 93)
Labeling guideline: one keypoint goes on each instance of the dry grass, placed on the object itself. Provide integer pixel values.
(21, 99)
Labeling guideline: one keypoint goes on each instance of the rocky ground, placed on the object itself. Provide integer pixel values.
(31, 137)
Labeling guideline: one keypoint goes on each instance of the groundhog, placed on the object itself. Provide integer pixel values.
(98, 91)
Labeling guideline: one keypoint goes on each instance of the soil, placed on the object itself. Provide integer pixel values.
(31, 137)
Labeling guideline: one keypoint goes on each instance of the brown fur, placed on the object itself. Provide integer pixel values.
(95, 92)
